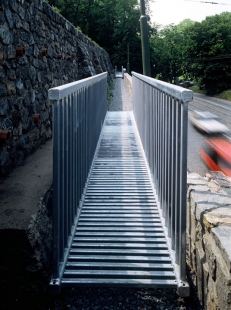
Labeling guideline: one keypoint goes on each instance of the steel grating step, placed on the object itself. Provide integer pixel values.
(119, 239)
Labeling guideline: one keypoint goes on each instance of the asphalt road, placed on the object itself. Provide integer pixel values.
(195, 141)
(222, 108)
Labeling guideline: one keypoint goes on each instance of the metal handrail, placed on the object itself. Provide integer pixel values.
(118, 73)
(161, 113)
(79, 109)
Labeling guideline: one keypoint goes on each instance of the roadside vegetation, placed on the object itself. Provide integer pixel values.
(223, 95)
(199, 52)
(110, 89)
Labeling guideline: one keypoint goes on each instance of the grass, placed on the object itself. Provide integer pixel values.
(111, 86)
(223, 95)
(196, 89)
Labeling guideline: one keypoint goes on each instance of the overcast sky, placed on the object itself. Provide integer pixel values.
(166, 12)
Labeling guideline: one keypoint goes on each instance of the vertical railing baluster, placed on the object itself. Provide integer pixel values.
(183, 206)
(157, 150)
(178, 179)
(160, 148)
(56, 188)
(155, 135)
(70, 146)
(74, 187)
(169, 163)
(174, 171)
(62, 165)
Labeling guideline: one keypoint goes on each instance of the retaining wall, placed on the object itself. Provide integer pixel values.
(39, 49)
(209, 238)
(128, 80)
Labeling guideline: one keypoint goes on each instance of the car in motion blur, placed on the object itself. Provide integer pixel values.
(216, 154)
(186, 84)
(207, 122)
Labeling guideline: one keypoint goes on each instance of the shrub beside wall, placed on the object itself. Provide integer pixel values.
(39, 49)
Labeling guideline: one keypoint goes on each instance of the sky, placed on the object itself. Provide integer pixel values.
(166, 12)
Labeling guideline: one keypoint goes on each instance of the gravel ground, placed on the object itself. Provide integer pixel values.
(122, 98)
(30, 296)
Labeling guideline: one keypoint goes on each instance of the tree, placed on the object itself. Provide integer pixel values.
(166, 53)
(207, 52)
(111, 23)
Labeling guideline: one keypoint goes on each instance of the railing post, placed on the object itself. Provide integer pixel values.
(184, 135)
(144, 40)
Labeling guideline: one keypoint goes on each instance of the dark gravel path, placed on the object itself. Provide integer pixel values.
(122, 98)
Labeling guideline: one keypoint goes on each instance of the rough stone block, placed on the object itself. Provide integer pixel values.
(219, 274)
(222, 237)
(202, 273)
(3, 107)
(218, 216)
(198, 199)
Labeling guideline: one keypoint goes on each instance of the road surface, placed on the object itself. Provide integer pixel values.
(219, 107)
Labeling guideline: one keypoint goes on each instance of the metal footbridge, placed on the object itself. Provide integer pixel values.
(119, 74)
(119, 196)
(119, 238)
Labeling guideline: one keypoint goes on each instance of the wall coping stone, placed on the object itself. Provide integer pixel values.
(128, 80)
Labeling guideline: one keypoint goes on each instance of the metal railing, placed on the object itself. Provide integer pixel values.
(161, 113)
(118, 73)
(79, 109)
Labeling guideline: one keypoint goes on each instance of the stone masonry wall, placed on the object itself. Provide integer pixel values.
(209, 238)
(39, 49)
(128, 80)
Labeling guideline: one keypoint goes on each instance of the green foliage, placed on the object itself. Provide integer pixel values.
(196, 51)
(167, 51)
(196, 89)
(110, 89)
(208, 52)
(113, 24)
(225, 95)
(55, 9)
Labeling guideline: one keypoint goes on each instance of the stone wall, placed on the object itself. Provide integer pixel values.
(39, 49)
(128, 80)
(209, 238)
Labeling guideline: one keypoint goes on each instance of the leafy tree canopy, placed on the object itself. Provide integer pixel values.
(196, 51)
(111, 23)
(207, 52)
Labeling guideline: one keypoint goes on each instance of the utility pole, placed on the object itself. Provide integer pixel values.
(128, 64)
(144, 41)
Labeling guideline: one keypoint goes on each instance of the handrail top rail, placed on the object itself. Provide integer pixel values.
(65, 90)
(175, 91)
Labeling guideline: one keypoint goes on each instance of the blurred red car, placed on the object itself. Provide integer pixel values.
(217, 155)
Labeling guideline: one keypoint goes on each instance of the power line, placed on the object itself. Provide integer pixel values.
(209, 2)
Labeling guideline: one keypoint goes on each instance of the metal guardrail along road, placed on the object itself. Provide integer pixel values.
(127, 223)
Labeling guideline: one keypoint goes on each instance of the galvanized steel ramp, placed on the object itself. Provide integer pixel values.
(119, 240)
